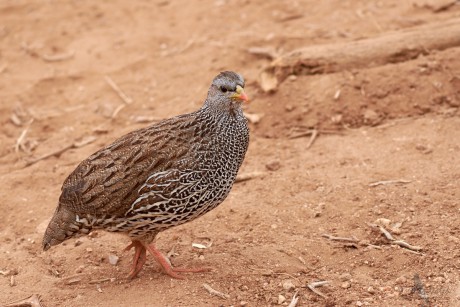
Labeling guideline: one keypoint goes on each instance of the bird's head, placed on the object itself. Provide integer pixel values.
(226, 91)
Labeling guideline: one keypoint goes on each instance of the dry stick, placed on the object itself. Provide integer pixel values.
(98, 281)
(312, 286)
(215, 292)
(118, 109)
(32, 301)
(21, 138)
(391, 47)
(248, 176)
(294, 300)
(58, 57)
(126, 99)
(385, 182)
(392, 240)
(330, 237)
(418, 287)
(84, 142)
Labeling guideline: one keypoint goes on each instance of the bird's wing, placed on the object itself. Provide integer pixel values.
(108, 182)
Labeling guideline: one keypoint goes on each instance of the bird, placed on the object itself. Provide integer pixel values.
(158, 177)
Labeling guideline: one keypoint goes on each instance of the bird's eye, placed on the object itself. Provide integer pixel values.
(223, 89)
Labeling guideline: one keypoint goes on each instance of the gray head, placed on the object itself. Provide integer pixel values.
(226, 91)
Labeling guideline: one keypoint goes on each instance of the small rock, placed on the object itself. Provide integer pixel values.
(371, 117)
(383, 221)
(79, 269)
(243, 303)
(289, 107)
(292, 78)
(401, 280)
(288, 285)
(281, 299)
(273, 166)
(406, 291)
(77, 243)
(345, 277)
(346, 285)
(359, 303)
(371, 290)
(89, 250)
(113, 259)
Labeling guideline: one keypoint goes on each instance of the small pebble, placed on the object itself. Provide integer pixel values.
(345, 277)
(359, 303)
(288, 285)
(400, 280)
(346, 285)
(281, 299)
(113, 259)
(273, 166)
(243, 303)
(371, 290)
(406, 291)
(80, 269)
(89, 250)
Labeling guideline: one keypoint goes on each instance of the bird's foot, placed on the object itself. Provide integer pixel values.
(139, 258)
(166, 264)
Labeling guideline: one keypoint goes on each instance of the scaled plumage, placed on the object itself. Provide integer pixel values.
(158, 177)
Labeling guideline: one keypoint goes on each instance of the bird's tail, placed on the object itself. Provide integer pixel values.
(62, 226)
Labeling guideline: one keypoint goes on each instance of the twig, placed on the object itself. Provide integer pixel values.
(58, 57)
(118, 109)
(294, 300)
(392, 240)
(333, 238)
(126, 99)
(418, 287)
(312, 286)
(215, 292)
(98, 281)
(82, 143)
(22, 137)
(386, 233)
(385, 182)
(32, 301)
(248, 176)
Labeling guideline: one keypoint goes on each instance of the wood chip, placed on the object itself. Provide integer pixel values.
(247, 176)
(385, 182)
(215, 292)
(199, 246)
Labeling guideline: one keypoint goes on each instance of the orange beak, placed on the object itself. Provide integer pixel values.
(240, 94)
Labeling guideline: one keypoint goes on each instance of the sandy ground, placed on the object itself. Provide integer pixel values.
(396, 123)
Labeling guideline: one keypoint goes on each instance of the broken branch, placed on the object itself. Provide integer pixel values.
(312, 286)
(215, 292)
(126, 99)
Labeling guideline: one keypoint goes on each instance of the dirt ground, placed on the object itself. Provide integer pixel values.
(394, 125)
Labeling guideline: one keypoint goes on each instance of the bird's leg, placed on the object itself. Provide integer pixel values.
(138, 259)
(166, 265)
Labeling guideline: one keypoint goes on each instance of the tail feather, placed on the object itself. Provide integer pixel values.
(62, 226)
